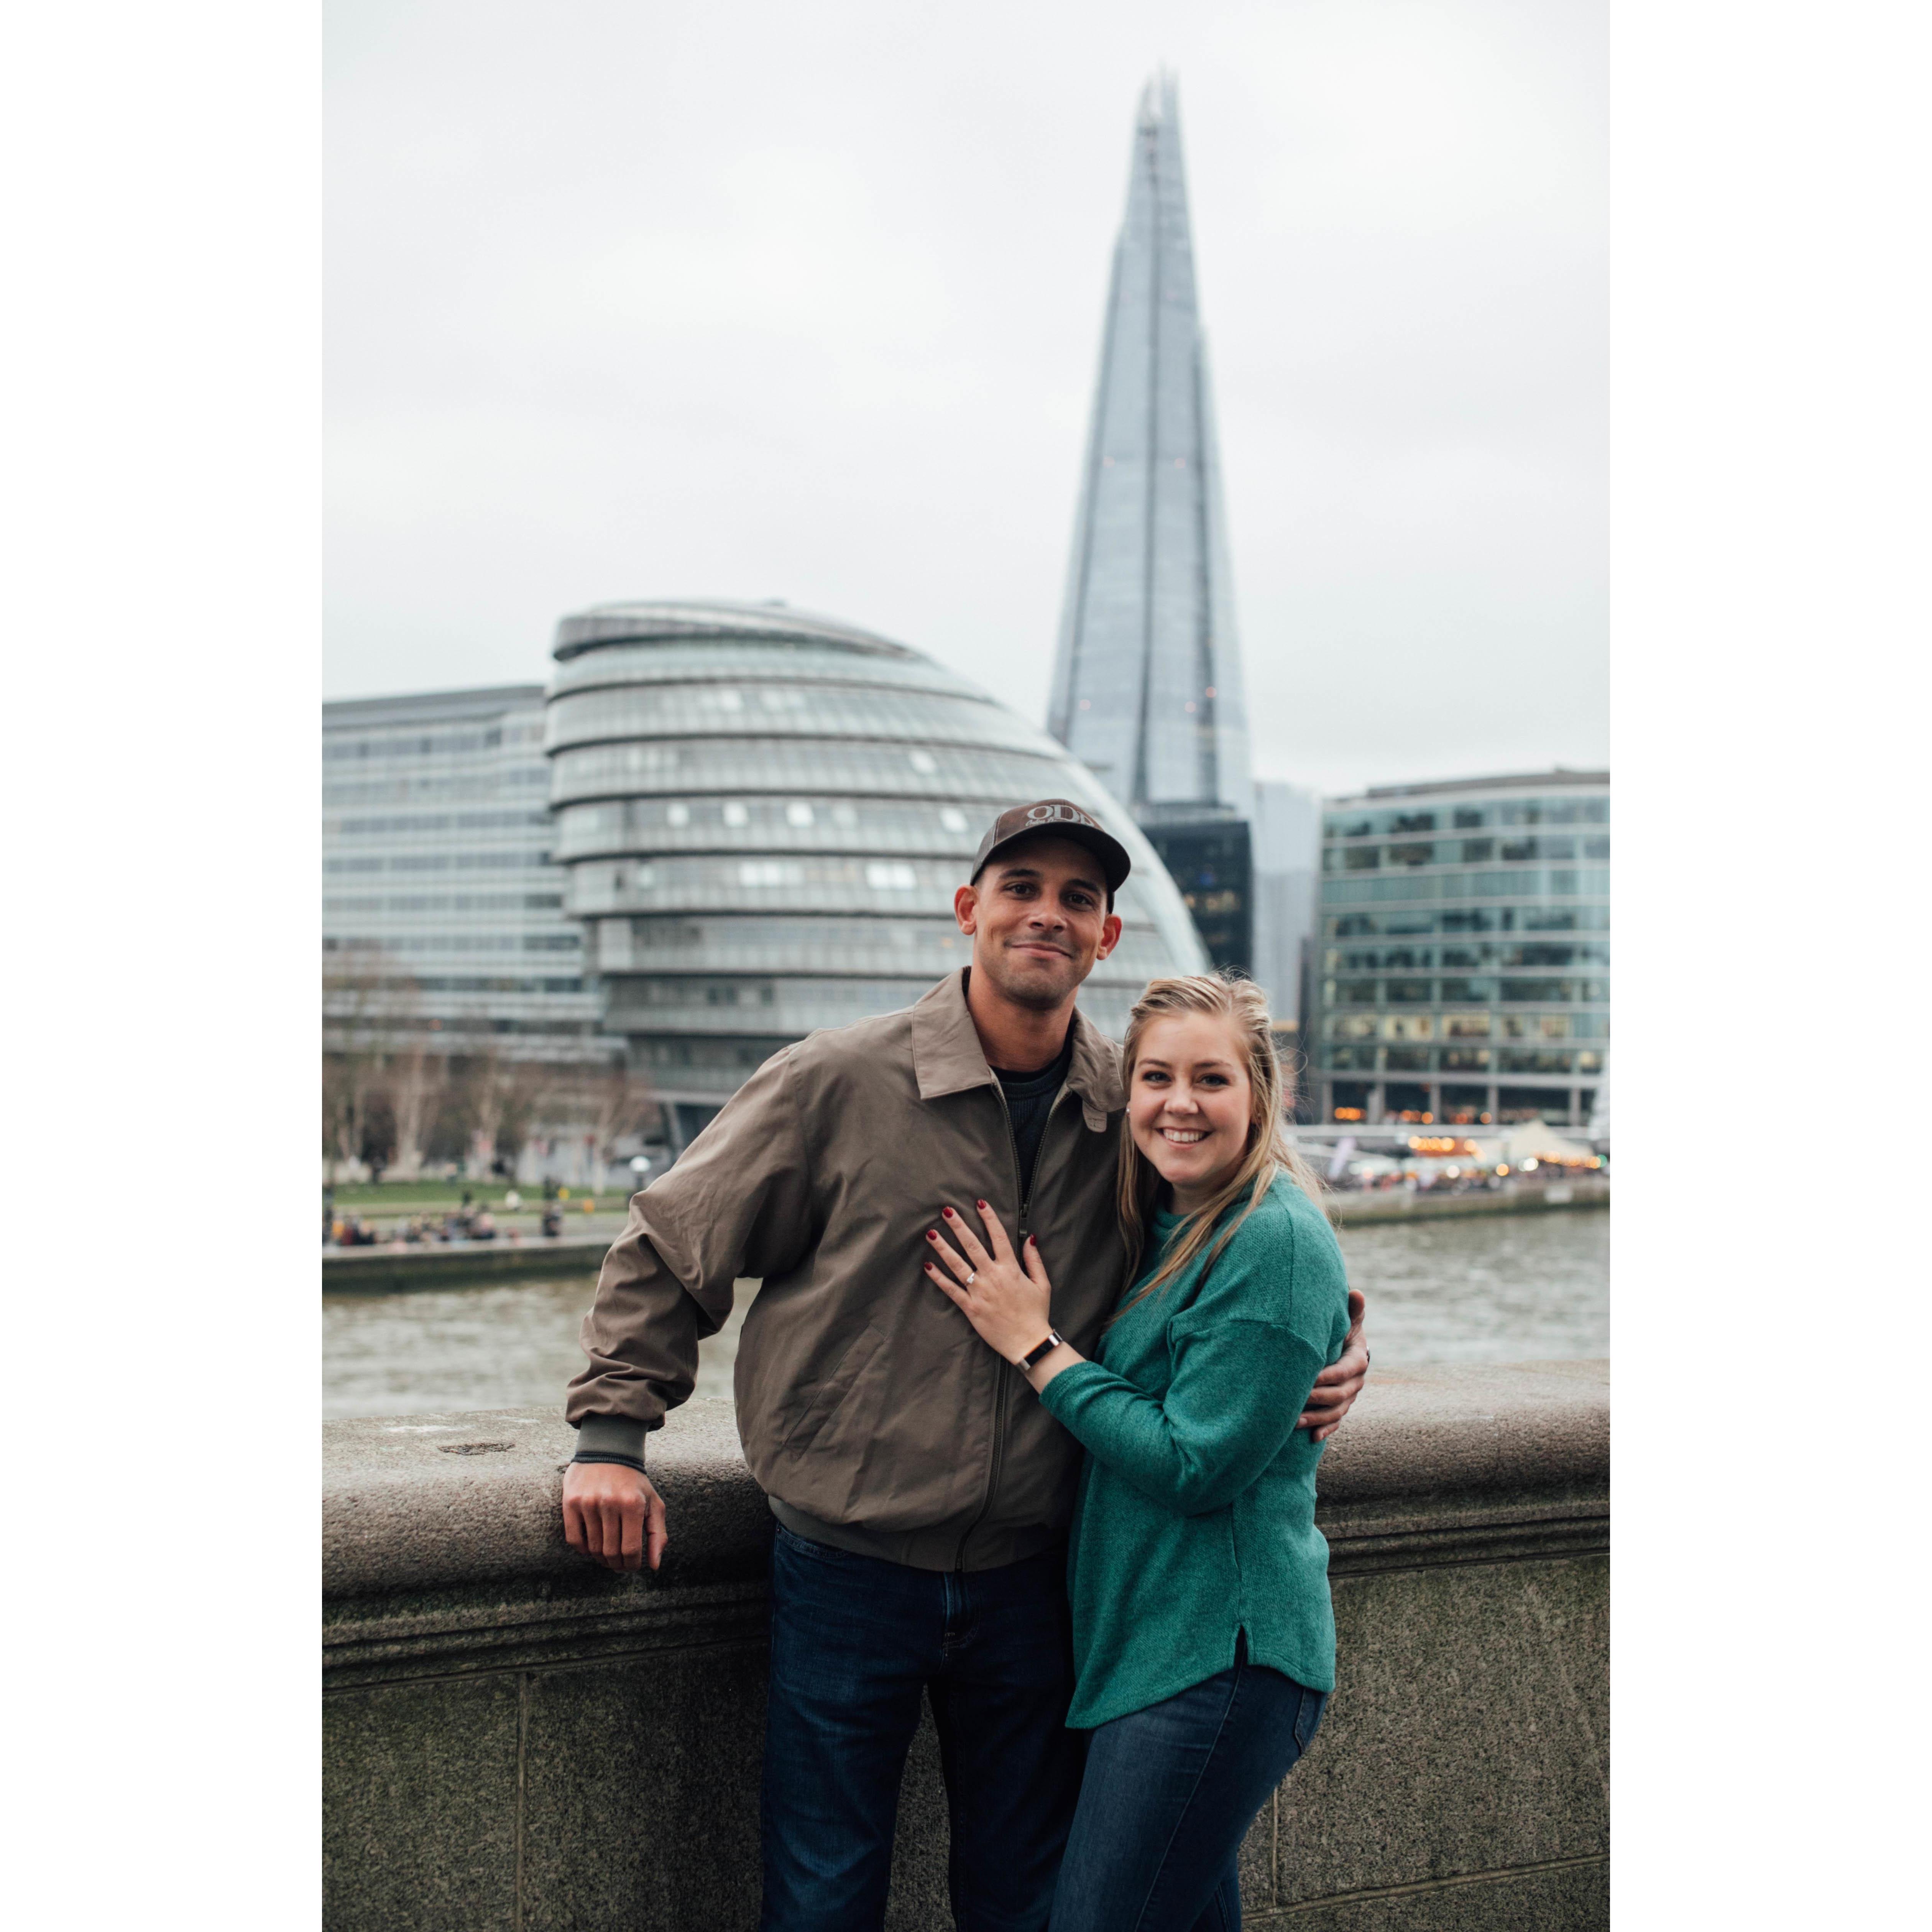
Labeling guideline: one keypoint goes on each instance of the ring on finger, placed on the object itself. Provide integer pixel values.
(972, 1276)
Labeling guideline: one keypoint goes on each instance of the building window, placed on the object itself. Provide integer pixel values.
(1518, 1061)
(1348, 1098)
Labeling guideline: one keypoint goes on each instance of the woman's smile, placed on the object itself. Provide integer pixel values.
(1191, 1106)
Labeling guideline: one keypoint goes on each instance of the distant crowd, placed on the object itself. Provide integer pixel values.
(469, 1221)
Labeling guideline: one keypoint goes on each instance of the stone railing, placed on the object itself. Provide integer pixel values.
(517, 1740)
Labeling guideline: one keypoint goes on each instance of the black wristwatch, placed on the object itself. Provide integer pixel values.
(1045, 1348)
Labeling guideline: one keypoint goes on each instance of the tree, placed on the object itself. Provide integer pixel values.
(356, 1038)
(597, 1106)
(418, 1075)
(620, 1104)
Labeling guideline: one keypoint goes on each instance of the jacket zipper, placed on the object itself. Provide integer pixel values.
(1024, 1195)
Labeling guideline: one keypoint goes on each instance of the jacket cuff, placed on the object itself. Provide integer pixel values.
(609, 1439)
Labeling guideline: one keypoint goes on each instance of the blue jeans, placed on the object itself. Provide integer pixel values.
(855, 1643)
(1169, 1794)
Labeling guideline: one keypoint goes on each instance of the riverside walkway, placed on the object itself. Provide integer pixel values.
(393, 1268)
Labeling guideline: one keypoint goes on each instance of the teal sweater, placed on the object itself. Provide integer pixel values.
(1196, 1515)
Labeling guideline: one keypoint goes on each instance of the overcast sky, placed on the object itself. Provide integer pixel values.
(764, 300)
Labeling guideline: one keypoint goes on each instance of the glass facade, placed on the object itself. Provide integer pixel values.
(1464, 968)
(1211, 861)
(441, 911)
(1146, 685)
(762, 818)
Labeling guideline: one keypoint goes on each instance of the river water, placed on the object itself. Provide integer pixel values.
(1483, 1289)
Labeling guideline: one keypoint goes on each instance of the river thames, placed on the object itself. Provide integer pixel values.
(1486, 1288)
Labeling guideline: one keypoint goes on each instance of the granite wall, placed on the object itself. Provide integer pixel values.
(517, 1741)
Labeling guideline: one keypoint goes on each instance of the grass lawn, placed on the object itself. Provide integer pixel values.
(422, 1197)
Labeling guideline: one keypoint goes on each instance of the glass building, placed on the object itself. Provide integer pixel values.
(1147, 686)
(441, 911)
(763, 817)
(1465, 952)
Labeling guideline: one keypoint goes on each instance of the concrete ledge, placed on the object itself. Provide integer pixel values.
(418, 1501)
(516, 1739)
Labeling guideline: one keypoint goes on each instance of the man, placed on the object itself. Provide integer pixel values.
(923, 1494)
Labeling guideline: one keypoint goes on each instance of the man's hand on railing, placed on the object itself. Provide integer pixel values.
(1337, 1386)
(612, 1513)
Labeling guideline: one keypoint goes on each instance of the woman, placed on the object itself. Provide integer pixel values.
(1204, 1642)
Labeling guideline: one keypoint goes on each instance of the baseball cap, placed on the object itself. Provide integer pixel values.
(1062, 819)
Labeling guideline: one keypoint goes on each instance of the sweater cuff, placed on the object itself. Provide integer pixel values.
(610, 1438)
(1075, 1376)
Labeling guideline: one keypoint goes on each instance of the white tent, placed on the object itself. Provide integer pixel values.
(1529, 1140)
(1533, 1140)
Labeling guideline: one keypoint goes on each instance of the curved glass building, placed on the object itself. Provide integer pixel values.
(763, 817)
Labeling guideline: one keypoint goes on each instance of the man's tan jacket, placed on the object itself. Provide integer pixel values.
(871, 1413)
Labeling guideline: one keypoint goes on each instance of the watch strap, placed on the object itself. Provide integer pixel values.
(1045, 1348)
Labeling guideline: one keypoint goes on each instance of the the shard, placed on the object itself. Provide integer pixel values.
(1147, 688)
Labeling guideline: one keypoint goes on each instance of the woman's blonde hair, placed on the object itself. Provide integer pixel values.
(1240, 1002)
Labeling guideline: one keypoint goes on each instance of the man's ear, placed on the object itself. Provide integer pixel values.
(965, 907)
(1110, 935)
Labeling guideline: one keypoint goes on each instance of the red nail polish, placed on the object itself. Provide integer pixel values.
(932, 1233)
(982, 1204)
(947, 1212)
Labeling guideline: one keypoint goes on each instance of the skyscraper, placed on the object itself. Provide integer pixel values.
(1146, 688)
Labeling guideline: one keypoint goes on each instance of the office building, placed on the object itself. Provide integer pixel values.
(1465, 966)
(442, 912)
(1287, 847)
(1147, 687)
(764, 816)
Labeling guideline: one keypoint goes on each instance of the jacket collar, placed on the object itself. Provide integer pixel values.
(948, 1058)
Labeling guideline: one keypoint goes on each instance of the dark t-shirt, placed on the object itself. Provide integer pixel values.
(1030, 1098)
